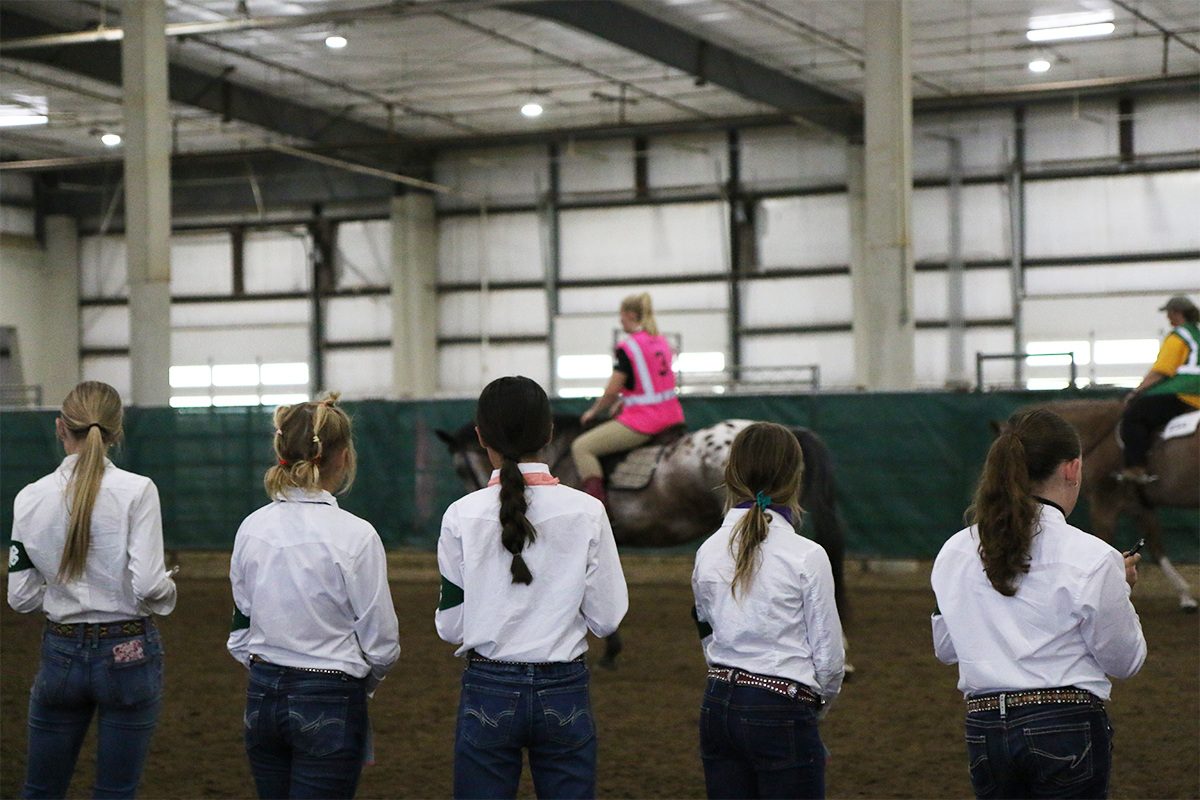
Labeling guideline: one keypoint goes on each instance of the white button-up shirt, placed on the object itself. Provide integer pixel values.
(124, 577)
(578, 584)
(1069, 624)
(786, 624)
(312, 581)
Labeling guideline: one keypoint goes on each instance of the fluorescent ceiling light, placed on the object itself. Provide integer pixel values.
(335, 42)
(1039, 66)
(111, 139)
(1072, 19)
(27, 110)
(532, 109)
(1072, 32)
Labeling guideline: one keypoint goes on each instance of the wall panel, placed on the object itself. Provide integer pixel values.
(201, 263)
(277, 261)
(606, 300)
(599, 166)
(670, 239)
(1167, 277)
(811, 231)
(1113, 214)
(820, 300)
(987, 294)
(508, 246)
(788, 158)
(102, 270)
(359, 372)
(465, 369)
(500, 313)
(358, 318)
(364, 254)
(1071, 131)
(986, 138)
(502, 175)
(833, 352)
(104, 326)
(697, 160)
(113, 370)
(984, 223)
(1168, 124)
(230, 344)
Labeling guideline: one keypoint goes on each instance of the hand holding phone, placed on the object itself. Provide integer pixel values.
(1136, 547)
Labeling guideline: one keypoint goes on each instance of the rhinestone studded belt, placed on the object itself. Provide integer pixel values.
(738, 677)
(100, 630)
(475, 658)
(1006, 700)
(261, 660)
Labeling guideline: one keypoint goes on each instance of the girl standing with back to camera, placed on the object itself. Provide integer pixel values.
(87, 550)
(528, 567)
(1036, 614)
(313, 616)
(770, 629)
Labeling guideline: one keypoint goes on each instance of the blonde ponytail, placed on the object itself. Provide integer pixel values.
(93, 416)
(305, 435)
(641, 307)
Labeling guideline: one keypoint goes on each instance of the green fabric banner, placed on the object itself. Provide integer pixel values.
(905, 463)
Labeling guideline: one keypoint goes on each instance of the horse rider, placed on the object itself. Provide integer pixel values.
(640, 396)
(1170, 388)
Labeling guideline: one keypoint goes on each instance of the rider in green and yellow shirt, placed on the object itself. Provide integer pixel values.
(1170, 388)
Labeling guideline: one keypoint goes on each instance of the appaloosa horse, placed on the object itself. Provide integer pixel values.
(1176, 462)
(681, 499)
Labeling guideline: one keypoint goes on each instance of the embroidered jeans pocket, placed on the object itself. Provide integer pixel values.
(317, 723)
(567, 712)
(1062, 754)
(485, 715)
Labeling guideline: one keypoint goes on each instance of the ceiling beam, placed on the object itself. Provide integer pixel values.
(650, 36)
(216, 93)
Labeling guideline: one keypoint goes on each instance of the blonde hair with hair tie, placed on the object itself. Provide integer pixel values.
(640, 306)
(307, 435)
(93, 415)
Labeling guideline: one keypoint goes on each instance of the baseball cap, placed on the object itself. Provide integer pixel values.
(1180, 304)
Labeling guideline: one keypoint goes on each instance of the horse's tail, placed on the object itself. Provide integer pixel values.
(817, 496)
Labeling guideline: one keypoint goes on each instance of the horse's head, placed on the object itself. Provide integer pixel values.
(474, 469)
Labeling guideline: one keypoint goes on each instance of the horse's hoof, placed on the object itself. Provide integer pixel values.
(1188, 605)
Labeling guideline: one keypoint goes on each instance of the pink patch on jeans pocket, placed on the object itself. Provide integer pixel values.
(128, 651)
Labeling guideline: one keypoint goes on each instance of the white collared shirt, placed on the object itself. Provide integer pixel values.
(578, 584)
(312, 579)
(124, 576)
(1069, 624)
(786, 624)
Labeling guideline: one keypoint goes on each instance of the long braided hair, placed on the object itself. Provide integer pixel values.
(1026, 453)
(513, 418)
(92, 415)
(307, 436)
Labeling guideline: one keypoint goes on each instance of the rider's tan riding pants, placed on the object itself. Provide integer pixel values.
(607, 437)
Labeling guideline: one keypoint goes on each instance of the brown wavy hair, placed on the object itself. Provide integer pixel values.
(765, 458)
(93, 415)
(1030, 448)
(306, 434)
(514, 419)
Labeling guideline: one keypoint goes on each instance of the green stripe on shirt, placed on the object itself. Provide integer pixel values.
(702, 628)
(18, 559)
(240, 621)
(451, 595)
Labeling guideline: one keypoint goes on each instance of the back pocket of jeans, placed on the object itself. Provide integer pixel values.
(1062, 753)
(771, 744)
(568, 715)
(982, 780)
(485, 716)
(317, 724)
(135, 673)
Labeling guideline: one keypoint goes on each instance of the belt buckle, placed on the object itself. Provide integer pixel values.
(792, 690)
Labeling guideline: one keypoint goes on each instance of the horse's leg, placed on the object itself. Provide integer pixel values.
(612, 648)
(1151, 530)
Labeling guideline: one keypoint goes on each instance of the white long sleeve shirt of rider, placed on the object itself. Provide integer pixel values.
(578, 584)
(785, 624)
(310, 589)
(124, 576)
(1071, 622)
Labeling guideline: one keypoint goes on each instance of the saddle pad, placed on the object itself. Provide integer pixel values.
(637, 469)
(1183, 425)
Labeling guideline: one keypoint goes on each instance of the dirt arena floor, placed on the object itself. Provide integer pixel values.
(895, 732)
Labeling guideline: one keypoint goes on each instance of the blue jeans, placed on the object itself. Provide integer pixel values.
(543, 708)
(306, 732)
(120, 680)
(1040, 751)
(756, 743)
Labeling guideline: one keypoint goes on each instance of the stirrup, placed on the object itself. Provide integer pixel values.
(1143, 479)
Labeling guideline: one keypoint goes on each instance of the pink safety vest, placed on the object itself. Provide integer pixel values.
(652, 405)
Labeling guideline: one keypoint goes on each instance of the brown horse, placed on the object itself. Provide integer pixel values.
(1176, 462)
(681, 499)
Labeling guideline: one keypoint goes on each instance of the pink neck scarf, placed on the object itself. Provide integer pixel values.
(531, 479)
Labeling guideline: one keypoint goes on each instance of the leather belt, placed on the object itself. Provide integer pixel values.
(1030, 697)
(101, 630)
(473, 657)
(739, 677)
